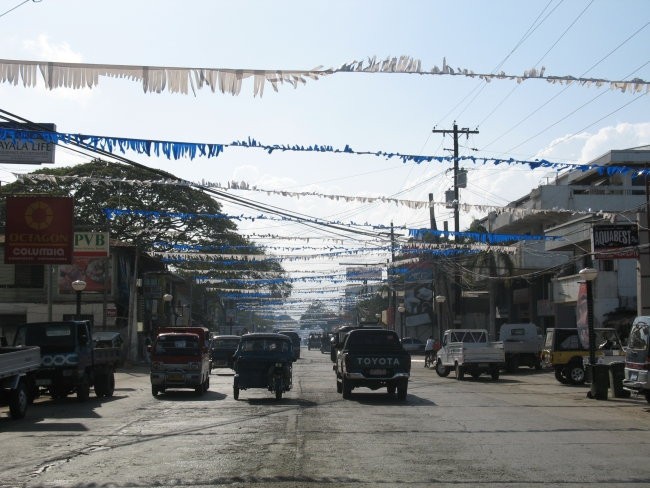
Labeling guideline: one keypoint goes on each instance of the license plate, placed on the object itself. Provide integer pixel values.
(634, 376)
(377, 372)
(175, 377)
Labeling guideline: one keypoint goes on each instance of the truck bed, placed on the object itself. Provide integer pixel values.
(19, 360)
(491, 352)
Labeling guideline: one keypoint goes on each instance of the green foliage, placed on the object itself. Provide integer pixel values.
(99, 185)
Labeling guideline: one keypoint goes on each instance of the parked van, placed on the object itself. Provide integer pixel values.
(637, 358)
(522, 344)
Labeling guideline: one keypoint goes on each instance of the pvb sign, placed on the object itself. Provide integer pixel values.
(93, 244)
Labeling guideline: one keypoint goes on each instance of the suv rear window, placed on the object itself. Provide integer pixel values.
(375, 340)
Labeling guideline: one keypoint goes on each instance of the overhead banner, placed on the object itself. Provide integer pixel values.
(24, 146)
(363, 273)
(619, 241)
(39, 230)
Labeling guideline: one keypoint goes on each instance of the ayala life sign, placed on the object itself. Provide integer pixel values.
(29, 148)
(617, 241)
(39, 230)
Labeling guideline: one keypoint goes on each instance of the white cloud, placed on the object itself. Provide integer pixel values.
(44, 49)
(586, 146)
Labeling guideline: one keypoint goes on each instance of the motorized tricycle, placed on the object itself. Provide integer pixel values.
(263, 361)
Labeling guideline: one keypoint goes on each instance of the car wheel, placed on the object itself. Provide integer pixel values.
(347, 389)
(460, 372)
(647, 396)
(559, 375)
(476, 374)
(154, 390)
(391, 390)
(100, 386)
(83, 389)
(575, 373)
(18, 401)
(441, 370)
(402, 390)
(235, 393)
(494, 373)
(110, 385)
(339, 386)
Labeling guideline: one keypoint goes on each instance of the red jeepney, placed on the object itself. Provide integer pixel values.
(180, 358)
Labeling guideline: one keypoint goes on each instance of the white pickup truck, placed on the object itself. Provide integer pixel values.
(17, 368)
(469, 351)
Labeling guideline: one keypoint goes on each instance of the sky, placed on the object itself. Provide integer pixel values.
(389, 112)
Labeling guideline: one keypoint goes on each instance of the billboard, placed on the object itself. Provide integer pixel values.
(619, 241)
(26, 149)
(39, 230)
(96, 272)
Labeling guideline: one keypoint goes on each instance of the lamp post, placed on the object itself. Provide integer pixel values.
(440, 300)
(589, 275)
(78, 286)
(401, 311)
(167, 298)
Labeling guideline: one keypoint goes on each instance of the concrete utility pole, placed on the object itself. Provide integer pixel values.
(455, 132)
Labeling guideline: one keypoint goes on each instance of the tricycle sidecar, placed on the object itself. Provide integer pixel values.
(263, 361)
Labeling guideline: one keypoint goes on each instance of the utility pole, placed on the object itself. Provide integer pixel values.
(455, 132)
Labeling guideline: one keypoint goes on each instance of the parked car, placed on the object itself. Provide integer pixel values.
(522, 344)
(564, 353)
(314, 341)
(413, 345)
(222, 350)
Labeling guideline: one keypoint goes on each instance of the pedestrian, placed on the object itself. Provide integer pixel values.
(428, 352)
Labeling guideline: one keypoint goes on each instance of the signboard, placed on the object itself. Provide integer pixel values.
(363, 273)
(582, 316)
(25, 149)
(91, 244)
(96, 272)
(619, 241)
(39, 230)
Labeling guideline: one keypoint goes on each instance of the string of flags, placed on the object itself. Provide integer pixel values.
(177, 150)
(158, 79)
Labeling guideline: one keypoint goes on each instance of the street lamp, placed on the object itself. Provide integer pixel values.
(78, 286)
(167, 298)
(401, 311)
(440, 300)
(589, 275)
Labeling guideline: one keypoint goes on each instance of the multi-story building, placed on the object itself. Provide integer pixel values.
(543, 287)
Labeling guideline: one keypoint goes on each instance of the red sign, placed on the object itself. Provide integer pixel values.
(39, 230)
(582, 316)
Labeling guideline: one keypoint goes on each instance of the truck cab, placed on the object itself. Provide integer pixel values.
(69, 361)
(637, 358)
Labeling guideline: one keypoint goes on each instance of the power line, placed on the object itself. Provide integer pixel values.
(19, 5)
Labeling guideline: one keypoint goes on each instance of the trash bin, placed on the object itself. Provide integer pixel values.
(616, 377)
(599, 381)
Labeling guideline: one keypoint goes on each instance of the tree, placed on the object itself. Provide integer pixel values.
(152, 212)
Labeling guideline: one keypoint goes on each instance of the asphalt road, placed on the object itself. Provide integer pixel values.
(524, 430)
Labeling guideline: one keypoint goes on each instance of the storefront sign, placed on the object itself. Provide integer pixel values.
(91, 244)
(26, 150)
(39, 230)
(619, 241)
